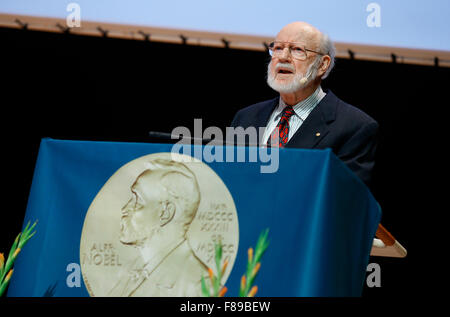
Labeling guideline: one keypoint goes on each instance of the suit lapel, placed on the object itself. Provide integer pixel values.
(262, 117)
(316, 125)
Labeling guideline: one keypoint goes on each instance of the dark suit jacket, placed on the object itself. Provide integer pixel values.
(349, 132)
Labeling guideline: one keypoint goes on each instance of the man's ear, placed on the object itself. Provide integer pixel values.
(326, 60)
(167, 213)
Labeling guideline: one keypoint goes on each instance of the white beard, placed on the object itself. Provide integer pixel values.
(130, 235)
(299, 81)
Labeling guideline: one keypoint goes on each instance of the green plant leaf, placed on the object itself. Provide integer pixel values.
(20, 241)
(205, 289)
(218, 257)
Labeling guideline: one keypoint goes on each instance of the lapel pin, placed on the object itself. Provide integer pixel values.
(318, 134)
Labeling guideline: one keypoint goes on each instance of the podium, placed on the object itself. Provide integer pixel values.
(321, 218)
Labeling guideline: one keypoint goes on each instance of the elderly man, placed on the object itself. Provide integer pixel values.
(304, 116)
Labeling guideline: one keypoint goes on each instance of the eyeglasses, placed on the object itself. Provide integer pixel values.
(296, 50)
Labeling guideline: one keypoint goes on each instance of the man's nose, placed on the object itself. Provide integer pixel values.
(128, 207)
(285, 54)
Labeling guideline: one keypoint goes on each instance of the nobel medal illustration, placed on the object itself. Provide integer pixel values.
(151, 229)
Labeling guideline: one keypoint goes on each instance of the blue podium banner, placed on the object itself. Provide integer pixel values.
(321, 218)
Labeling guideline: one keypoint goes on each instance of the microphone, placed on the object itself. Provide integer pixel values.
(305, 79)
(172, 137)
(163, 136)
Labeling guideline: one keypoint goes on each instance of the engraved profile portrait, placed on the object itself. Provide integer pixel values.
(151, 229)
(164, 201)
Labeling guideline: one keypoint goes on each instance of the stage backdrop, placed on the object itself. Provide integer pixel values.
(372, 30)
(346, 21)
(321, 218)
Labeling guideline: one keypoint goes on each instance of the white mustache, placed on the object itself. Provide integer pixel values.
(285, 66)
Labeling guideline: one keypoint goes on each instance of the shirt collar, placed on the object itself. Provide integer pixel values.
(304, 107)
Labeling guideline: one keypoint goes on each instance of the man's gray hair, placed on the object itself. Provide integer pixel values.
(326, 46)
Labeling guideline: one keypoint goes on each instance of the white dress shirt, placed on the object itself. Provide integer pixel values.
(301, 112)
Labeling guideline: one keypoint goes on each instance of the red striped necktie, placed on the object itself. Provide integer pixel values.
(282, 128)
